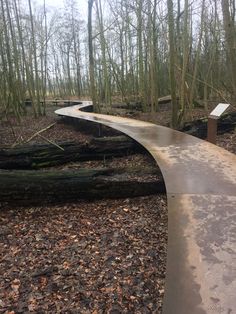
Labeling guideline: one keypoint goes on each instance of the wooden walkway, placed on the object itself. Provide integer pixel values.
(200, 181)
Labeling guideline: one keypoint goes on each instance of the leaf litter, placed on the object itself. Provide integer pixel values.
(106, 256)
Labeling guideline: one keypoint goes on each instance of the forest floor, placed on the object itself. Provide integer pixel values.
(90, 257)
(104, 256)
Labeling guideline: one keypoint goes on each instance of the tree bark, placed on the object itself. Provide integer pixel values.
(91, 57)
(106, 92)
(172, 52)
(42, 187)
(47, 155)
(230, 34)
(36, 76)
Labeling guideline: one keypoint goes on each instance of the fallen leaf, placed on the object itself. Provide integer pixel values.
(15, 285)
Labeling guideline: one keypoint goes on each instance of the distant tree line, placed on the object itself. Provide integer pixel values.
(133, 50)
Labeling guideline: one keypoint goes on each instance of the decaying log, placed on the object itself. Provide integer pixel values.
(47, 155)
(164, 100)
(137, 105)
(24, 187)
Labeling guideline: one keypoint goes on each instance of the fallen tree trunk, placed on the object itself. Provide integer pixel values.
(20, 187)
(198, 127)
(165, 100)
(48, 155)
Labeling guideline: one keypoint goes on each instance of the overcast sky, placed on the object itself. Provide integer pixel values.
(82, 4)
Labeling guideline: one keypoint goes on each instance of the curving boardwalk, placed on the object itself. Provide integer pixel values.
(200, 181)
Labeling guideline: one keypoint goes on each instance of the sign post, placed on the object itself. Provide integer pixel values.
(212, 122)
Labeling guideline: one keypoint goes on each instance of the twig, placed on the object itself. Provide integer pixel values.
(16, 141)
(35, 134)
(49, 141)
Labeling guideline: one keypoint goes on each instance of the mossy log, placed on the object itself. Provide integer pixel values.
(33, 187)
(198, 127)
(47, 155)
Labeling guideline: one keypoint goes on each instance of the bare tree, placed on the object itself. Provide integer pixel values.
(230, 37)
(172, 48)
(91, 58)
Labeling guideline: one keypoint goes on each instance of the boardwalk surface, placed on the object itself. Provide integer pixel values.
(200, 180)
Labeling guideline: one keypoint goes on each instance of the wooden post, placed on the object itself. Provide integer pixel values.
(212, 129)
(212, 122)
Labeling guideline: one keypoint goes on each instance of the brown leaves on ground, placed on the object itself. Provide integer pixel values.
(100, 257)
(227, 141)
(13, 131)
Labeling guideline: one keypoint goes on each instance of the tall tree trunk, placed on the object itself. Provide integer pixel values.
(35, 61)
(30, 83)
(197, 56)
(77, 56)
(45, 59)
(91, 58)
(230, 37)
(106, 84)
(140, 52)
(183, 97)
(153, 58)
(172, 50)
(11, 88)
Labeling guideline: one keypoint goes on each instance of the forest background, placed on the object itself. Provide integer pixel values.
(123, 50)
